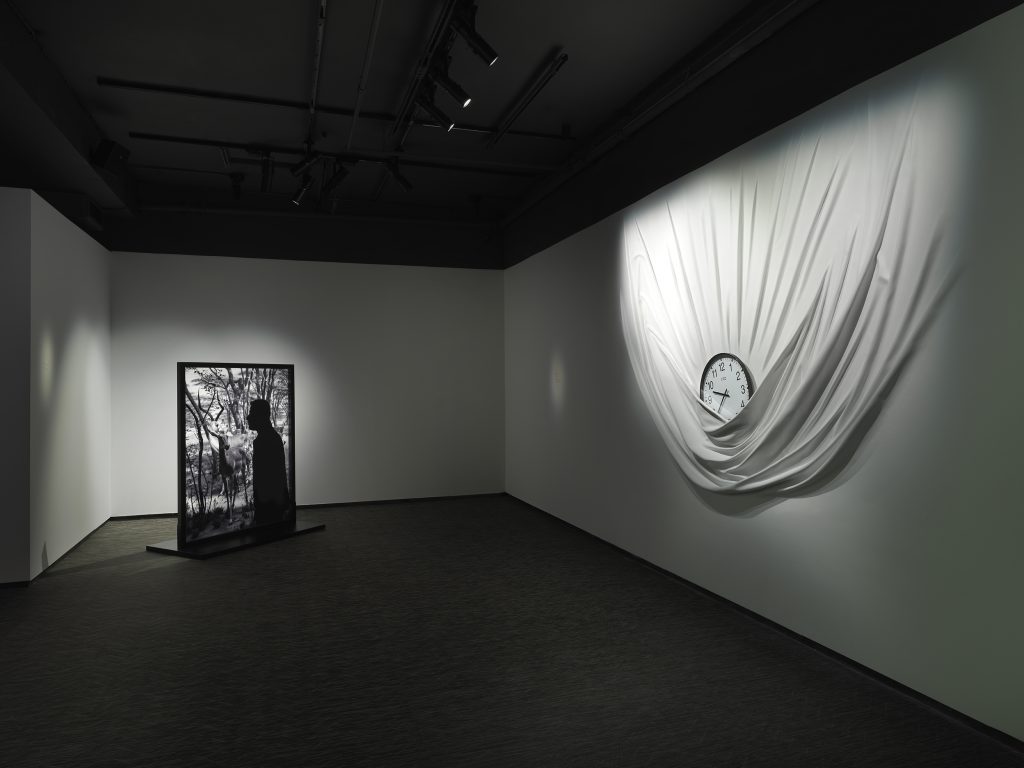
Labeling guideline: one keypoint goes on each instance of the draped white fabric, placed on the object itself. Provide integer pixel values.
(816, 255)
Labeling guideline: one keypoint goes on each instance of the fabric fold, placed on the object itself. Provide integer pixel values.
(817, 263)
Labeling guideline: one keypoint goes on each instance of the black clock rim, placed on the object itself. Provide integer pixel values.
(715, 359)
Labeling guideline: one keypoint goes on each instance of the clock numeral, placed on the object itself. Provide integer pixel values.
(743, 389)
(709, 385)
(721, 366)
(737, 375)
(742, 403)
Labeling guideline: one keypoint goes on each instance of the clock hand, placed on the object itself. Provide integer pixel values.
(724, 395)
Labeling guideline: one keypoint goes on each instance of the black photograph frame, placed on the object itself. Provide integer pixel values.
(219, 529)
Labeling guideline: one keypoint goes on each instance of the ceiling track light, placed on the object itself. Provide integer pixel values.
(300, 193)
(340, 172)
(457, 91)
(465, 26)
(435, 112)
(392, 167)
(303, 167)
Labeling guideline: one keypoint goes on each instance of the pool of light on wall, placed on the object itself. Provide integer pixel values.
(46, 365)
(816, 254)
(556, 381)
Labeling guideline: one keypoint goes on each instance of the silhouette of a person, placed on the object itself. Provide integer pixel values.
(271, 500)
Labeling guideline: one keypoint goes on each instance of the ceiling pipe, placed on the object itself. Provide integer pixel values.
(178, 169)
(396, 174)
(263, 150)
(464, 23)
(533, 88)
(365, 75)
(241, 98)
(400, 128)
(310, 213)
(321, 22)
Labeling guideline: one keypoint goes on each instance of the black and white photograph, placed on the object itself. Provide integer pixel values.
(237, 453)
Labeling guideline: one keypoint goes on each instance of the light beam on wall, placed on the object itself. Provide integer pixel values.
(556, 381)
(818, 257)
(47, 365)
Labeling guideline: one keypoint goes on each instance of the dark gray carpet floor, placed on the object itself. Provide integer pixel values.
(466, 632)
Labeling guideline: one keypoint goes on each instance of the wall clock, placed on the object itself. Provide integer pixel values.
(726, 386)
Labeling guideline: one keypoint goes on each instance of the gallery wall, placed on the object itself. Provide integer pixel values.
(908, 562)
(398, 371)
(69, 378)
(15, 320)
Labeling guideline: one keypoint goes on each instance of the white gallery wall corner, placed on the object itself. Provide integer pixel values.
(399, 375)
(57, 386)
(15, 329)
(398, 370)
(71, 451)
(862, 261)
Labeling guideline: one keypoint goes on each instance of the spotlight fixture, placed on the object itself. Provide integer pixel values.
(305, 166)
(266, 172)
(300, 193)
(392, 167)
(457, 91)
(465, 27)
(434, 111)
(340, 172)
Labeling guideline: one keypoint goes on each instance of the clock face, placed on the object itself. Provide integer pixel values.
(726, 386)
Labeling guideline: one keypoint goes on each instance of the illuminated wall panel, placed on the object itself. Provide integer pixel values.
(906, 559)
(812, 264)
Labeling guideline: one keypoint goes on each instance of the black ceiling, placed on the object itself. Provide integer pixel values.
(181, 127)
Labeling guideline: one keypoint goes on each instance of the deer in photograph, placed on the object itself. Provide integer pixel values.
(230, 460)
(233, 467)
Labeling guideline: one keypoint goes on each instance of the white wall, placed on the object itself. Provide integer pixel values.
(69, 384)
(398, 371)
(15, 260)
(912, 563)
